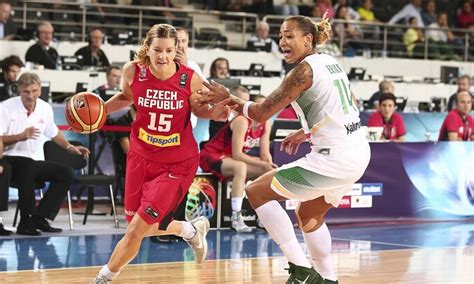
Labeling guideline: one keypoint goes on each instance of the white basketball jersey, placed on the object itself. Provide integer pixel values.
(327, 109)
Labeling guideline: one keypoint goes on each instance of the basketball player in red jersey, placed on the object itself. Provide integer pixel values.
(163, 156)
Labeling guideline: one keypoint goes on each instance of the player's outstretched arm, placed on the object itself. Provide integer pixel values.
(296, 81)
(124, 98)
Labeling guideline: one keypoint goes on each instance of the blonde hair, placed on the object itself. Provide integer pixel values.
(321, 31)
(157, 31)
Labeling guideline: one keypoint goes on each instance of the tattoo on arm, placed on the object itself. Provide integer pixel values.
(298, 80)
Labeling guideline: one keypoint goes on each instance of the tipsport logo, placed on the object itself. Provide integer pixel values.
(201, 199)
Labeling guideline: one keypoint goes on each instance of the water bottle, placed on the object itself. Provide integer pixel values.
(59, 65)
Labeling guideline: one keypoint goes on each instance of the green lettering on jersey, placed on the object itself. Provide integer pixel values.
(344, 95)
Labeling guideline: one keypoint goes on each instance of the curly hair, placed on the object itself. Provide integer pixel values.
(157, 31)
(321, 30)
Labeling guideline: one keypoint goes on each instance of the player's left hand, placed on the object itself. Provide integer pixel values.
(215, 93)
(221, 111)
(79, 150)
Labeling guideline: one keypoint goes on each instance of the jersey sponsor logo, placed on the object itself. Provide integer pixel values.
(152, 213)
(159, 140)
(352, 127)
(182, 80)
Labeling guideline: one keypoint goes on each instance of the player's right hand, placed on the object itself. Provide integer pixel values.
(30, 133)
(292, 142)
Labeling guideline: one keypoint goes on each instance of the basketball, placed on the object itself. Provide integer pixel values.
(85, 113)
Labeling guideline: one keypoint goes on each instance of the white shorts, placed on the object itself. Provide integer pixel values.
(323, 172)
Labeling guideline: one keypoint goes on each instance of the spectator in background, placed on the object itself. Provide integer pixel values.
(439, 38)
(113, 74)
(464, 85)
(353, 15)
(410, 10)
(326, 5)
(288, 113)
(23, 120)
(413, 38)
(285, 7)
(5, 175)
(365, 12)
(41, 53)
(220, 68)
(385, 86)
(350, 33)
(329, 47)
(92, 54)
(465, 17)
(459, 124)
(11, 66)
(7, 26)
(262, 36)
(182, 51)
(429, 14)
(225, 155)
(386, 117)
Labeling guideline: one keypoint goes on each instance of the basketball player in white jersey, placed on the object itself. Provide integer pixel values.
(318, 90)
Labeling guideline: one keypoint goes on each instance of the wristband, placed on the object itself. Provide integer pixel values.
(245, 110)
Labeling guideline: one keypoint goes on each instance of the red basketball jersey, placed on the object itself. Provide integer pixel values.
(162, 129)
(221, 144)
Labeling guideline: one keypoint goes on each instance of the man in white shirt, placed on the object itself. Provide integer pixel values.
(262, 36)
(412, 9)
(23, 120)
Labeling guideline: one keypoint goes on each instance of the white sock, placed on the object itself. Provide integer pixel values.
(188, 231)
(236, 203)
(1, 218)
(279, 226)
(105, 271)
(319, 246)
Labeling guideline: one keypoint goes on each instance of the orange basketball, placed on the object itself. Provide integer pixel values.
(85, 113)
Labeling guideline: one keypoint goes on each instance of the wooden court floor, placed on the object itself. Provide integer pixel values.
(433, 265)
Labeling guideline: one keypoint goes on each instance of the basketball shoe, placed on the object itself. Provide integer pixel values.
(326, 281)
(238, 223)
(199, 243)
(101, 279)
(301, 274)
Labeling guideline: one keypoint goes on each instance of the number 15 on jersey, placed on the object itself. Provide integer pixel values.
(164, 122)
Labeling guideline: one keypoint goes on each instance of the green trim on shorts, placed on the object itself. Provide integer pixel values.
(292, 175)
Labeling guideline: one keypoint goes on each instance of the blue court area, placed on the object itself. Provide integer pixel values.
(45, 252)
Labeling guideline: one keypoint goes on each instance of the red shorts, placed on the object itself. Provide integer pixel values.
(212, 163)
(154, 190)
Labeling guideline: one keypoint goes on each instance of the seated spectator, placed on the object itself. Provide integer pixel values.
(92, 54)
(11, 66)
(220, 68)
(413, 38)
(225, 155)
(5, 175)
(41, 53)
(367, 15)
(325, 5)
(261, 35)
(429, 14)
(365, 12)
(459, 124)
(353, 15)
(385, 86)
(465, 17)
(285, 8)
(439, 38)
(113, 75)
(23, 120)
(464, 85)
(351, 34)
(410, 10)
(7, 26)
(386, 117)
